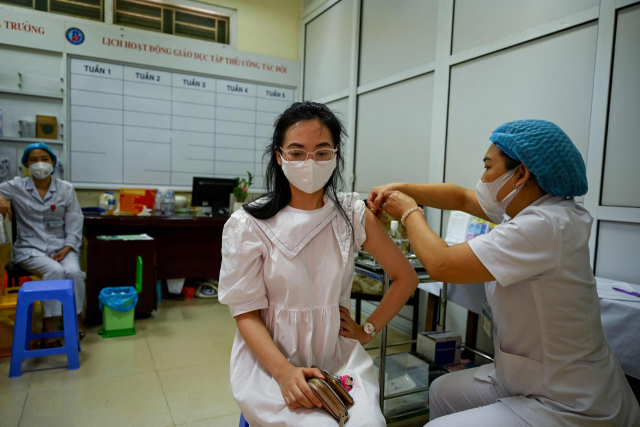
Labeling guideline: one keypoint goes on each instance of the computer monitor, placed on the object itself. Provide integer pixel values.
(214, 191)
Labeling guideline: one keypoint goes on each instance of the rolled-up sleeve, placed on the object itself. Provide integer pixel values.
(73, 220)
(241, 284)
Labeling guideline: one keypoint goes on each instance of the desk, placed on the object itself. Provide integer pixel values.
(185, 246)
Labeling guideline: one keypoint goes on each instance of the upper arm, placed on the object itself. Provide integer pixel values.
(386, 253)
(6, 189)
(459, 264)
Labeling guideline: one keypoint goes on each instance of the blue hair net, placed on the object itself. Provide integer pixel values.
(547, 152)
(41, 146)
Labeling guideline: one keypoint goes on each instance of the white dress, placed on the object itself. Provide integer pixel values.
(297, 269)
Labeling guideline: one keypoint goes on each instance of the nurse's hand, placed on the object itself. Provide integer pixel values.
(398, 203)
(350, 329)
(5, 208)
(377, 198)
(294, 387)
(61, 254)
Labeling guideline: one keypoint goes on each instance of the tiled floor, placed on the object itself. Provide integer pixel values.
(174, 372)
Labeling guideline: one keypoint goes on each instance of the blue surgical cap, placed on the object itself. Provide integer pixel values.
(41, 146)
(547, 152)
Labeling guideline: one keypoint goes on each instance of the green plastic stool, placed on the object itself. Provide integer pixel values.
(117, 324)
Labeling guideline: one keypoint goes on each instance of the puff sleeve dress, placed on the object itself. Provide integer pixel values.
(297, 269)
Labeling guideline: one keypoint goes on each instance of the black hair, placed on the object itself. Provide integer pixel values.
(511, 164)
(278, 193)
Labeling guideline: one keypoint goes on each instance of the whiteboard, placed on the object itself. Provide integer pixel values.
(143, 126)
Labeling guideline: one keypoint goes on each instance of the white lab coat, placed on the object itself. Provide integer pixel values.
(296, 268)
(45, 226)
(553, 366)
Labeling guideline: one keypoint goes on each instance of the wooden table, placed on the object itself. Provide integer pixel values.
(185, 247)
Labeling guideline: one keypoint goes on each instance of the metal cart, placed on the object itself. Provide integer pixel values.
(371, 269)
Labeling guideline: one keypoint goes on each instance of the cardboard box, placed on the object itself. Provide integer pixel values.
(46, 127)
(132, 200)
(441, 347)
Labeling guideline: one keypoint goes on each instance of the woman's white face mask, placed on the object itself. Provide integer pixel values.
(41, 170)
(308, 176)
(487, 193)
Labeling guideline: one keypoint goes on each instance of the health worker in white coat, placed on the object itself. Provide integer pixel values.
(553, 366)
(49, 228)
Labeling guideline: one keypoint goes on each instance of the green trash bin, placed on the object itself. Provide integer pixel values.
(118, 307)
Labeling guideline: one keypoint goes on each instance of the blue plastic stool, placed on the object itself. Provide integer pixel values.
(243, 422)
(61, 290)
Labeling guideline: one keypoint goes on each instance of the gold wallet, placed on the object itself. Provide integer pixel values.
(333, 396)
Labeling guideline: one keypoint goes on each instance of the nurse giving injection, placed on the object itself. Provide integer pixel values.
(49, 221)
(553, 365)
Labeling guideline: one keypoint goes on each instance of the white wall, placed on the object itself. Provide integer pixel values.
(425, 91)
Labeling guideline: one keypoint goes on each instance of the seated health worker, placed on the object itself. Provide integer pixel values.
(287, 271)
(49, 228)
(553, 365)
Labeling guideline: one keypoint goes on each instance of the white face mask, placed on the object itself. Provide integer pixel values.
(487, 193)
(308, 176)
(41, 170)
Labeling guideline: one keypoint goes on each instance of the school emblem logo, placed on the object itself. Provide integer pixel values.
(75, 36)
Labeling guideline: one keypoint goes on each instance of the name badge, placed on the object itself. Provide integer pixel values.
(487, 319)
(50, 223)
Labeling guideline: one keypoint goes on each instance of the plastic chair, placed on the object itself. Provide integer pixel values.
(243, 422)
(30, 292)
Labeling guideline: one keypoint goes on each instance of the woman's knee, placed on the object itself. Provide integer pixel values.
(54, 272)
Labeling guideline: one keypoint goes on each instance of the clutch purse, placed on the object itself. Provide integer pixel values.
(333, 395)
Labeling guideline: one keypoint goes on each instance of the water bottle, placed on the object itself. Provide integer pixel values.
(157, 206)
(111, 204)
(169, 203)
(206, 209)
(396, 236)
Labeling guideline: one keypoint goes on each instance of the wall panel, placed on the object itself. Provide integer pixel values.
(550, 78)
(621, 171)
(396, 36)
(328, 51)
(478, 23)
(393, 133)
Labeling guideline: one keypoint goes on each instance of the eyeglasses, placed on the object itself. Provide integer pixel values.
(298, 155)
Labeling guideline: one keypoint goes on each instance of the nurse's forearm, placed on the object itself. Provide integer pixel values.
(439, 196)
(257, 337)
(443, 196)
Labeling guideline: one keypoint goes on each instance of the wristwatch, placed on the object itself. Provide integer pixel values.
(369, 329)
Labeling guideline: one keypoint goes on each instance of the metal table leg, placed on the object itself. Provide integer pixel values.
(383, 347)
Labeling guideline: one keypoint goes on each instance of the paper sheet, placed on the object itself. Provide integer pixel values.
(8, 165)
(606, 291)
(457, 228)
(434, 288)
(127, 237)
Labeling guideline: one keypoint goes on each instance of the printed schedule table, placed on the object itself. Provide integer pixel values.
(133, 125)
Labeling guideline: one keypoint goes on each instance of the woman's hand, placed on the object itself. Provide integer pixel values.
(61, 254)
(377, 197)
(350, 329)
(5, 208)
(294, 387)
(398, 203)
